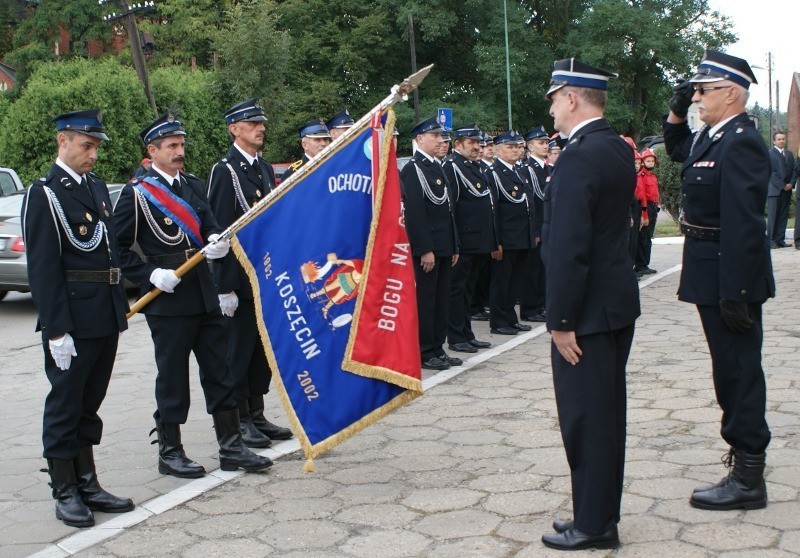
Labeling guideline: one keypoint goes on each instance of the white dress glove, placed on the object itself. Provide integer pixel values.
(228, 303)
(164, 280)
(216, 250)
(63, 350)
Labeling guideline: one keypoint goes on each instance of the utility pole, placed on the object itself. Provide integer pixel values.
(508, 65)
(779, 124)
(128, 17)
(413, 64)
(769, 71)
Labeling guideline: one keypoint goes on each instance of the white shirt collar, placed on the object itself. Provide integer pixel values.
(778, 149)
(582, 124)
(488, 161)
(75, 176)
(506, 164)
(719, 125)
(170, 179)
(538, 160)
(247, 157)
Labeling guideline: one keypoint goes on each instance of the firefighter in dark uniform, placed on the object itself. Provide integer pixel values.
(479, 305)
(428, 212)
(339, 123)
(235, 183)
(73, 269)
(516, 231)
(314, 137)
(727, 271)
(532, 292)
(474, 212)
(186, 318)
(592, 301)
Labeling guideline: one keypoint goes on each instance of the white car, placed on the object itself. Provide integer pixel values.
(9, 182)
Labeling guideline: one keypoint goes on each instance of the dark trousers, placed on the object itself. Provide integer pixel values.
(433, 297)
(175, 337)
(738, 379)
(507, 275)
(782, 217)
(774, 205)
(480, 292)
(797, 217)
(464, 277)
(70, 419)
(645, 238)
(246, 358)
(633, 240)
(591, 402)
(531, 291)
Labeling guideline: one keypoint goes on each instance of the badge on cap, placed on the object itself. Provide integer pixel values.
(167, 221)
(170, 119)
(82, 230)
(88, 217)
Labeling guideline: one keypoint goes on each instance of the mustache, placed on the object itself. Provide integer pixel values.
(179, 159)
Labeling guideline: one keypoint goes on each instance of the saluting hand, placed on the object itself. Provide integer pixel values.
(567, 345)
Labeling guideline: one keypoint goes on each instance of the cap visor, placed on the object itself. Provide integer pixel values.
(553, 88)
(98, 135)
(257, 118)
(318, 135)
(705, 78)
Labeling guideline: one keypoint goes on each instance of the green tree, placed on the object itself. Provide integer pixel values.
(668, 173)
(27, 137)
(191, 96)
(649, 43)
(183, 29)
(11, 13)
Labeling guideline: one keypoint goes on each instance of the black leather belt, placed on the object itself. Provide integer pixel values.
(108, 276)
(172, 259)
(701, 233)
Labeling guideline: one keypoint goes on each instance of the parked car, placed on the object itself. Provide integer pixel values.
(650, 141)
(9, 182)
(279, 169)
(402, 161)
(13, 261)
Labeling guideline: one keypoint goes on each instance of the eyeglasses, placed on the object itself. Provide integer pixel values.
(702, 90)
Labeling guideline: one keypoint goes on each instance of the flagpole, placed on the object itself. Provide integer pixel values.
(398, 93)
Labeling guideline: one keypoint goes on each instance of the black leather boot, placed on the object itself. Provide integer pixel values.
(90, 490)
(272, 431)
(69, 507)
(743, 488)
(251, 436)
(232, 452)
(172, 459)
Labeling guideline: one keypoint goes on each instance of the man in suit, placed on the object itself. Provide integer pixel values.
(727, 271)
(516, 233)
(166, 214)
(314, 137)
(235, 183)
(428, 212)
(779, 195)
(532, 292)
(592, 300)
(795, 180)
(474, 214)
(73, 269)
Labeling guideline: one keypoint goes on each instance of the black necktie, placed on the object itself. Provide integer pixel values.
(176, 187)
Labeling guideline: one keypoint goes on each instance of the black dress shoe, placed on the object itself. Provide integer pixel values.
(797, 245)
(522, 327)
(648, 271)
(463, 348)
(504, 331)
(534, 318)
(561, 525)
(479, 344)
(782, 244)
(480, 317)
(435, 363)
(452, 361)
(572, 539)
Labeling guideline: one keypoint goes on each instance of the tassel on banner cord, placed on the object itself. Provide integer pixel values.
(309, 466)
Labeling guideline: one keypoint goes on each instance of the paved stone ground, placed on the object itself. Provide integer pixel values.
(473, 468)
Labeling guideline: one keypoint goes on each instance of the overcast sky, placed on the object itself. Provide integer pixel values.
(765, 26)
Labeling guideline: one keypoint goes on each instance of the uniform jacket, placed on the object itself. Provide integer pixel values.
(195, 294)
(541, 173)
(782, 170)
(294, 166)
(515, 221)
(724, 185)
(255, 182)
(87, 310)
(591, 286)
(474, 214)
(430, 227)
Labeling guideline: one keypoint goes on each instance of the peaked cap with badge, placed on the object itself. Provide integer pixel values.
(247, 111)
(577, 74)
(427, 126)
(87, 122)
(340, 120)
(314, 129)
(164, 126)
(718, 66)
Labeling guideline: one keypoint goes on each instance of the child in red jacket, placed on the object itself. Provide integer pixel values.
(647, 192)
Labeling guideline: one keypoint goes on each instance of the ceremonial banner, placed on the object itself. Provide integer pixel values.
(306, 255)
(384, 338)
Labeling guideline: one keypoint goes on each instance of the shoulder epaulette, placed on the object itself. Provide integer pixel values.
(296, 165)
(134, 180)
(191, 176)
